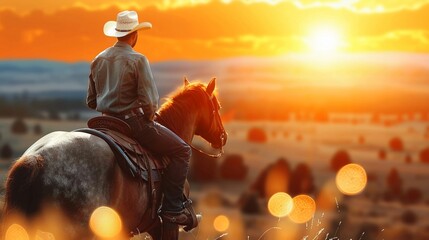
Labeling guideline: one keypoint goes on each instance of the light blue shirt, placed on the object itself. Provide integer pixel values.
(121, 80)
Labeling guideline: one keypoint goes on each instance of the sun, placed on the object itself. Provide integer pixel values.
(324, 40)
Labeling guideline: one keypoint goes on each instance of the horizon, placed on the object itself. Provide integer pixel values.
(394, 82)
(293, 55)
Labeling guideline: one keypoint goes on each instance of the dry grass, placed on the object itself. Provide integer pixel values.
(317, 144)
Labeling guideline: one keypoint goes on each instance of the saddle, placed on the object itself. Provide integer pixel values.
(130, 155)
(132, 158)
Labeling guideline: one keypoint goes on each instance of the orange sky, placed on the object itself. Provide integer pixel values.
(71, 30)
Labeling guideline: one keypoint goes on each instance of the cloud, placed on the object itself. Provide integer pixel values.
(222, 47)
(210, 30)
(388, 5)
(362, 6)
(415, 40)
(30, 35)
(49, 6)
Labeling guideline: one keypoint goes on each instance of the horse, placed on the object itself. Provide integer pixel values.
(59, 181)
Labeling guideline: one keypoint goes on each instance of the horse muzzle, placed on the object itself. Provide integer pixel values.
(222, 141)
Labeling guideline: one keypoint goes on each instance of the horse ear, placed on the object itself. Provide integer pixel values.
(186, 81)
(211, 86)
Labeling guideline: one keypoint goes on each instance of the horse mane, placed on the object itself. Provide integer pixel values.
(177, 106)
(194, 92)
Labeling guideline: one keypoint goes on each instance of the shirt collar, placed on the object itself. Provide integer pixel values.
(123, 45)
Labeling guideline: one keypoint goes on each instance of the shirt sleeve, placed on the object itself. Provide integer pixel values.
(91, 98)
(147, 90)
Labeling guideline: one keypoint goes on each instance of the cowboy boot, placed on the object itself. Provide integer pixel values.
(186, 217)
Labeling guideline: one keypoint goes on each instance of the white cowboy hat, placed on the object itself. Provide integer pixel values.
(126, 23)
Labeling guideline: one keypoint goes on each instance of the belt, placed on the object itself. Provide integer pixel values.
(127, 114)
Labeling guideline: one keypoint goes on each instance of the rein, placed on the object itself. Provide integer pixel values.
(208, 154)
(218, 155)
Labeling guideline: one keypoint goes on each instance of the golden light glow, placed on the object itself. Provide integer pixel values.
(271, 37)
(221, 223)
(303, 209)
(280, 204)
(324, 40)
(328, 196)
(40, 235)
(16, 232)
(351, 179)
(277, 181)
(105, 222)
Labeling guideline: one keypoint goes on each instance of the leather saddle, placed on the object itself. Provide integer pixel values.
(130, 155)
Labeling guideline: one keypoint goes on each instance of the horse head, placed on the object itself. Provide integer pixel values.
(210, 126)
(194, 110)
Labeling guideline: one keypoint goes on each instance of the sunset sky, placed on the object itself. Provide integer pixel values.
(71, 30)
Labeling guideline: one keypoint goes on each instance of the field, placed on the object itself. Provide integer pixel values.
(372, 214)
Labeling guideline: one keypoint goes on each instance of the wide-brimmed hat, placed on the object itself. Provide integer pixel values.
(126, 23)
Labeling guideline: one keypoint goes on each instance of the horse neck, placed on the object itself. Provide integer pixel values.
(180, 119)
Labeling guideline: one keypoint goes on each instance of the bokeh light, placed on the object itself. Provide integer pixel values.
(221, 223)
(351, 179)
(16, 232)
(303, 209)
(105, 222)
(280, 204)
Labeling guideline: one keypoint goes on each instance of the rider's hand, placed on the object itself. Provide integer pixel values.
(149, 115)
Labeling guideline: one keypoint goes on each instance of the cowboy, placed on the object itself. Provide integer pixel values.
(121, 85)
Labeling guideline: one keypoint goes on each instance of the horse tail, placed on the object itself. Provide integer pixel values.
(23, 186)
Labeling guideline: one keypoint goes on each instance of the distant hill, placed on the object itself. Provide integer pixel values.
(43, 79)
(381, 82)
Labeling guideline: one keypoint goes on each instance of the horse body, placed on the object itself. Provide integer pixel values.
(69, 169)
(76, 173)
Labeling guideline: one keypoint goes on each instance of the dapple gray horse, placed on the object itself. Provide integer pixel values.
(63, 177)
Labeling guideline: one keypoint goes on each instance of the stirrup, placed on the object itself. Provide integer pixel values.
(189, 223)
(188, 205)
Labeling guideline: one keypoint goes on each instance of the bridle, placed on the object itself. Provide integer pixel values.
(216, 119)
